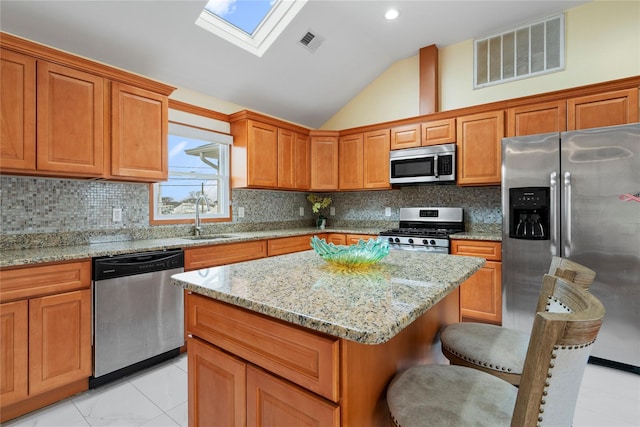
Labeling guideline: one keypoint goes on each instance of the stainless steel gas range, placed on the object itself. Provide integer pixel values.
(425, 229)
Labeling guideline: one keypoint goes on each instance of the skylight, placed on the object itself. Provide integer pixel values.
(250, 24)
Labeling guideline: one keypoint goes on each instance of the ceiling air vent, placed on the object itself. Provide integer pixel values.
(311, 41)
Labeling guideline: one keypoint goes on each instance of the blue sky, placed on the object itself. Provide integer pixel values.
(244, 14)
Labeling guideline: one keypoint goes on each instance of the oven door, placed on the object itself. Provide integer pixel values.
(424, 164)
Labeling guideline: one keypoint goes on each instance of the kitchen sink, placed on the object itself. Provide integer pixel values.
(209, 237)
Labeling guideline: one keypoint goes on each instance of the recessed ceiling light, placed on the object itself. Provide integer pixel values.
(391, 14)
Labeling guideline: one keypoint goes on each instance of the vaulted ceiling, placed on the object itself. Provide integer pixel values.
(159, 39)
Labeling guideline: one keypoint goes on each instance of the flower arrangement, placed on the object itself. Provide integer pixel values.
(318, 202)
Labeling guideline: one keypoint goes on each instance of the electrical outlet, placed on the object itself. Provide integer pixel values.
(332, 210)
(117, 214)
(301, 211)
(387, 211)
(240, 212)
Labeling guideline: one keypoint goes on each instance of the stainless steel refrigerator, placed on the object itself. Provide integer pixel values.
(576, 195)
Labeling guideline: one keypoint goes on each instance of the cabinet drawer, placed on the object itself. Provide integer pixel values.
(287, 245)
(491, 251)
(353, 239)
(302, 357)
(44, 280)
(214, 255)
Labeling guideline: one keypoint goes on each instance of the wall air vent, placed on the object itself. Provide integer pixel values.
(520, 53)
(311, 41)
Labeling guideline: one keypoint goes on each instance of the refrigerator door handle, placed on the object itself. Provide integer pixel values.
(566, 250)
(553, 188)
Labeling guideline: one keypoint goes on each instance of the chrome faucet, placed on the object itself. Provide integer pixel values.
(198, 229)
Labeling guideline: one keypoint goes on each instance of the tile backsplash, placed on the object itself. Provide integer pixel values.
(82, 209)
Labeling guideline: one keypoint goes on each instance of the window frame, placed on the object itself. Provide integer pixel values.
(209, 114)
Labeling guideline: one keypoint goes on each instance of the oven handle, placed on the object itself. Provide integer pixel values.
(435, 166)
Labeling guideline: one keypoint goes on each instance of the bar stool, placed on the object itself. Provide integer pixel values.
(560, 344)
(501, 351)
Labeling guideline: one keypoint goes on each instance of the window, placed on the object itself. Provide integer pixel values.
(198, 164)
(250, 24)
(524, 52)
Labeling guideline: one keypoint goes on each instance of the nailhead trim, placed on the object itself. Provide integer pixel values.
(477, 362)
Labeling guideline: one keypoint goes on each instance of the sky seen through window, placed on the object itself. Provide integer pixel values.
(243, 14)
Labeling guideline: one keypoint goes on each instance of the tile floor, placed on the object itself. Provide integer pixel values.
(158, 397)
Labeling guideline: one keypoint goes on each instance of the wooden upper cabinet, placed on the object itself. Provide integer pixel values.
(438, 132)
(139, 129)
(420, 134)
(537, 118)
(71, 121)
(324, 162)
(293, 160)
(376, 159)
(479, 150)
(407, 136)
(604, 109)
(302, 162)
(254, 154)
(286, 160)
(350, 158)
(17, 111)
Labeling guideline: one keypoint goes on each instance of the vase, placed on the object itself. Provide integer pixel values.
(321, 223)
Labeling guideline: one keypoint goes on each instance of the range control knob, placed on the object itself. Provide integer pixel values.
(433, 242)
(425, 242)
(390, 239)
(397, 240)
(411, 241)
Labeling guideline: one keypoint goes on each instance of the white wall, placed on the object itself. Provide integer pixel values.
(602, 43)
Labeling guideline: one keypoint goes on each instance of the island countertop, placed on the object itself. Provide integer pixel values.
(368, 307)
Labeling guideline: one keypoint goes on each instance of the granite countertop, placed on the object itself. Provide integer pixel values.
(369, 306)
(478, 235)
(14, 258)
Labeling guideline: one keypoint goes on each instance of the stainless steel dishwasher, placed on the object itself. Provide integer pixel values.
(138, 315)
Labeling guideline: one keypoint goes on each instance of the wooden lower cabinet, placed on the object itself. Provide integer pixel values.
(352, 239)
(46, 335)
(212, 369)
(287, 245)
(249, 369)
(275, 402)
(481, 294)
(214, 255)
(14, 347)
(59, 340)
(337, 238)
(247, 395)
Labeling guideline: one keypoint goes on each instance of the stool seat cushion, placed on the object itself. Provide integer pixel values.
(447, 395)
(487, 346)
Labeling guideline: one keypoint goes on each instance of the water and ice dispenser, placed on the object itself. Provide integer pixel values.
(529, 214)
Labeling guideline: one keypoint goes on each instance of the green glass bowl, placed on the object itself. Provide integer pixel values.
(360, 255)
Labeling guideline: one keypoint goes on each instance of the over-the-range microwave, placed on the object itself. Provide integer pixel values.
(434, 163)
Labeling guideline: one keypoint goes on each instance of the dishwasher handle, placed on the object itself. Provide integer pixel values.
(138, 263)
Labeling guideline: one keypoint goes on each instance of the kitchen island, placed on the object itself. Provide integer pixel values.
(290, 339)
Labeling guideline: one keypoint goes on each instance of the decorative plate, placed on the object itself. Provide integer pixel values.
(360, 255)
